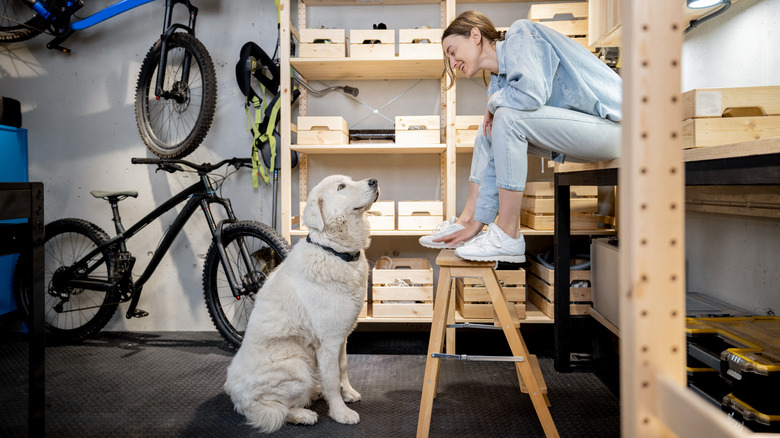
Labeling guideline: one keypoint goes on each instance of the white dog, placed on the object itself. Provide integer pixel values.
(295, 340)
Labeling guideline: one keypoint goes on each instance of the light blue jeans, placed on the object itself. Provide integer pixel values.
(501, 160)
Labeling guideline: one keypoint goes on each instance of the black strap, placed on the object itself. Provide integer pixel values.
(347, 257)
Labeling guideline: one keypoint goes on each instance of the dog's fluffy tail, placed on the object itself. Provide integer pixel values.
(266, 415)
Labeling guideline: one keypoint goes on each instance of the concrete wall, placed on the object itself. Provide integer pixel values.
(79, 110)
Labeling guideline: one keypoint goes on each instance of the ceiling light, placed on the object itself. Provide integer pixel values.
(699, 4)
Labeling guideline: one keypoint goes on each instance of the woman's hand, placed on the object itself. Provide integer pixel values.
(487, 123)
(463, 235)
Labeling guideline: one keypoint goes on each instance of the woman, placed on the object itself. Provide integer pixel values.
(548, 96)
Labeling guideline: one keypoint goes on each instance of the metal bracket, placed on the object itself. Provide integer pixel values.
(478, 358)
(476, 326)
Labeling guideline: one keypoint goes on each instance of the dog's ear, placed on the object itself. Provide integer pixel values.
(312, 214)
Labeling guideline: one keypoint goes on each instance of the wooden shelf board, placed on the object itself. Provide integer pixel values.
(370, 148)
(532, 316)
(394, 233)
(368, 69)
(526, 232)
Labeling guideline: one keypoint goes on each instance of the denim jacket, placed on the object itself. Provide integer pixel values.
(538, 66)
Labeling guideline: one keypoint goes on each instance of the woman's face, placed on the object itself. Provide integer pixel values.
(463, 52)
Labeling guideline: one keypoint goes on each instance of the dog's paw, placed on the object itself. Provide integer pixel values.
(349, 395)
(345, 415)
(301, 416)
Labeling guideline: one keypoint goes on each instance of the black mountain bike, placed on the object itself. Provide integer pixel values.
(87, 274)
(176, 94)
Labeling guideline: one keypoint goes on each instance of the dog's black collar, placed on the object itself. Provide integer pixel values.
(347, 257)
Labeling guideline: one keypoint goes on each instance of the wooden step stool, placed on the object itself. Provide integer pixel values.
(528, 372)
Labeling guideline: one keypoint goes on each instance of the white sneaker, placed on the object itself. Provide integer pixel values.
(443, 229)
(494, 246)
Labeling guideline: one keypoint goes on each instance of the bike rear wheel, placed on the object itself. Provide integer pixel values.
(18, 22)
(266, 248)
(175, 123)
(71, 314)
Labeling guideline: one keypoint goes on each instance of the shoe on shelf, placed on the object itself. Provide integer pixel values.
(493, 246)
(443, 229)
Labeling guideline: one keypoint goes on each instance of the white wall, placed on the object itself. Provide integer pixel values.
(735, 258)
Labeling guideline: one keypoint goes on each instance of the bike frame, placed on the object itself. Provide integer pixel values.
(200, 194)
(115, 9)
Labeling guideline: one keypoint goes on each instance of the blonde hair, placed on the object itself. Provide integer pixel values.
(462, 26)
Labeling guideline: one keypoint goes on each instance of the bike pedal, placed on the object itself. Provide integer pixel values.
(140, 313)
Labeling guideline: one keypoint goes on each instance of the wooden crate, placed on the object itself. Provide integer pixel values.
(540, 281)
(714, 102)
(466, 128)
(704, 132)
(417, 130)
(538, 207)
(419, 215)
(420, 43)
(381, 216)
(414, 299)
(570, 19)
(474, 301)
(384, 49)
(322, 43)
(716, 116)
(323, 130)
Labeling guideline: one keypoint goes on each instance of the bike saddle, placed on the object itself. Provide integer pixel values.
(108, 195)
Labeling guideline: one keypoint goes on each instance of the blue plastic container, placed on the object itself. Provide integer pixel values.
(13, 168)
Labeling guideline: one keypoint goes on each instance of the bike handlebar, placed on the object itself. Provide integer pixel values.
(170, 164)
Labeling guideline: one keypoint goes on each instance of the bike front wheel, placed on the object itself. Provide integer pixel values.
(174, 123)
(252, 250)
(70, 313)
(18, 22)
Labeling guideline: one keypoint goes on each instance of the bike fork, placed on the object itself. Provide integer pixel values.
(168, 30)
(236, 286)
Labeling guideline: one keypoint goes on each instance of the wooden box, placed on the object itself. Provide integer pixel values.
(381, 216)
(714, 102)
(466, 128)
(402, 287)
(420, 43)
(538, 208)
(360, 48)
(323, 130)
(417, 130)
(419, 215)
(322, 43)
(570, 19)
(540, 282)
(717, 116)
(703, 132)
(474, 301)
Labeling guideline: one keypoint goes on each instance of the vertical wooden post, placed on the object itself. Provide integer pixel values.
(448, 181)
(285, 178)
(652, 295)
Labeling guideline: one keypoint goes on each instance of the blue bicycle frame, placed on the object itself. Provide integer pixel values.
(105, 14)
(64, 28)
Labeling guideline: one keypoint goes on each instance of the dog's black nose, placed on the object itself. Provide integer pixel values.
(372, 182)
